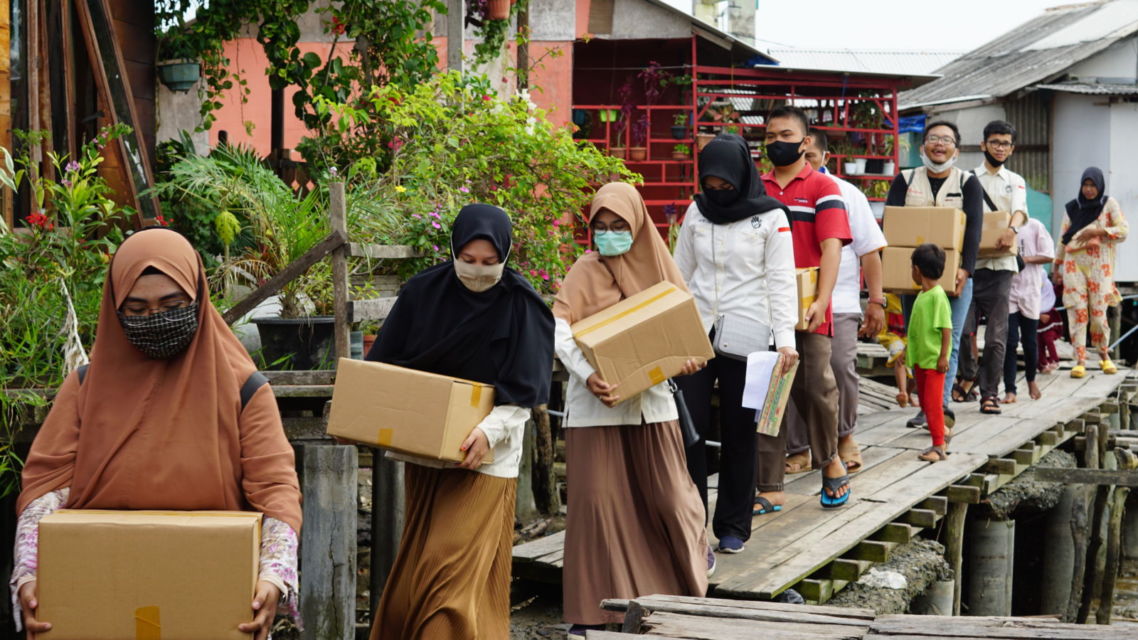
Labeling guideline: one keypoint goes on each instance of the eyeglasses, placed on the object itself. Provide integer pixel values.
(947, 140)
(143, 310)
(1000, 144)
(619, 225)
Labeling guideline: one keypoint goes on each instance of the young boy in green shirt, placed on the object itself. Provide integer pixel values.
(930, 344)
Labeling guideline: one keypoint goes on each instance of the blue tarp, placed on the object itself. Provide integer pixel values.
(912, 124)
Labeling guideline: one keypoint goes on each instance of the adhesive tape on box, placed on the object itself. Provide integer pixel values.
(147, 624)
(384, 437)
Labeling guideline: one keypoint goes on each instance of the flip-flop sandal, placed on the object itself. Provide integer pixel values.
(798, 463)
(1108, 367)
(932, 454)
(990, 406)
(851, 456)
(1078, 371)
(835, 485)
(765, 507)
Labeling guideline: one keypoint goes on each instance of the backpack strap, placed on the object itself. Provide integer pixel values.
(987, 198)
(255, 381)
(252, 385)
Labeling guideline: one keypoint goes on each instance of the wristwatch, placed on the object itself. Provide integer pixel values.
(878, 301)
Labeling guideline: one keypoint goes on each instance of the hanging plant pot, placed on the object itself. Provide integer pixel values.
(498, 9)
(179, 75)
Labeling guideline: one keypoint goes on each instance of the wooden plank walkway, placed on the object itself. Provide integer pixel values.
(895, 495)
(717, 619)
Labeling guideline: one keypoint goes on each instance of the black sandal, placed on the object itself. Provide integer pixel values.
(990, 406)
(835, 485)
(765, 507)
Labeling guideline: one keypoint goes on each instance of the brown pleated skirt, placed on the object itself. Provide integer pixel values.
(635, 522)
(451, 577)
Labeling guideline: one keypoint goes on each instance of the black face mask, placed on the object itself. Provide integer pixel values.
(162, 335)
(722, 197)
(782, 153)
(992, 161)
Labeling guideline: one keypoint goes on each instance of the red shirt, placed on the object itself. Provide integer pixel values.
(817, 213)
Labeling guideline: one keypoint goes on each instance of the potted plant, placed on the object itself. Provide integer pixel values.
(638, 152)
(498, 9)
(702, 140)
(178, 67)
(624, 94)
(680, 126)
(681, 152)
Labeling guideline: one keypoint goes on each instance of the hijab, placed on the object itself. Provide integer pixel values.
(502, 336)
(143, 433)
(1081, 211)
(728, 158)
(596, 282)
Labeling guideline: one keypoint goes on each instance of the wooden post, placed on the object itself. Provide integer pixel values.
(544, 480)
(387, 508)
(1079, 509)
(456, 26)
(523, 48)
(954, 547)
(525, 508)
(337, 207)
(328, 541)
(1113, 555)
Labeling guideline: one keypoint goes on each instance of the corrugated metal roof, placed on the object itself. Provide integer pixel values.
(1098, 89)
(865, 60)
(1039, 50)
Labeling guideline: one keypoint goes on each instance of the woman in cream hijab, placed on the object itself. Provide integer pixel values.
(635, 519)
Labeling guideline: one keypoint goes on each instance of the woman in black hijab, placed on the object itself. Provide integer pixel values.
(735, 253)
(1084, 265)
(469, 318)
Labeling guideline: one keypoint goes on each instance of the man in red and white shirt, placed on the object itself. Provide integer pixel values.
(819, 229)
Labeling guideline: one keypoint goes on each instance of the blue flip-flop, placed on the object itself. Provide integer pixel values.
(765, 507)
(835, 485)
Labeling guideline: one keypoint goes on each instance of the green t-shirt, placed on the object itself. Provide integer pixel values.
(931, 313)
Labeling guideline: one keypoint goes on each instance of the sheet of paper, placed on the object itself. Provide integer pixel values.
(760, 366)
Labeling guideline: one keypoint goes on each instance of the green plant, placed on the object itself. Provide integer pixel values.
(453, 142)
(680, 119)
(682, 149)
(491, 33)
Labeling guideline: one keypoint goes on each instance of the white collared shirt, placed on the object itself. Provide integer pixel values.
(867, 237)
(743, 268)
(1008, 192)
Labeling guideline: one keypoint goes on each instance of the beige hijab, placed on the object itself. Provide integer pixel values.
(141, 433)
(596, 282)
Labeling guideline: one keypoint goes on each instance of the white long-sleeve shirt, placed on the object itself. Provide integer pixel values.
(583, 409)
(866, 237)
(743, 268)
(504, 429)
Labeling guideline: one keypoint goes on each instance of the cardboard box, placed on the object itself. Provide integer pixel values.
(768, 419)
(807, 280)
(644, 339)
(174, 575)
(914, 226)
(995, 224)
(412, 412)
(897, 270)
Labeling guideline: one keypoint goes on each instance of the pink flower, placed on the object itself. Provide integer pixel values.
(436, 225)
(435, 247)
(435, 214)
(464, 189)
(416, 216)
(557, 223)
(544, 274)
(71, 166)
(533, 272)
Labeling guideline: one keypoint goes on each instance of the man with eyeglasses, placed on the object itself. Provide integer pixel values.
(939, 183)
(1003, 191)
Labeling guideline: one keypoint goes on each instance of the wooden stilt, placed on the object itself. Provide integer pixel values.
(954, 547)
(1079, 509)
(544, 481)
(1113, 555)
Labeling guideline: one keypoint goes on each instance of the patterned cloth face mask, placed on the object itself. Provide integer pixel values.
(162, 335)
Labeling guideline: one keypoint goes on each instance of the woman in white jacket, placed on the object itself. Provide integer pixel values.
(635, 525)
(735, 253)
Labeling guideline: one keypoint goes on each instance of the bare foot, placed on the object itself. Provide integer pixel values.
(835, 469)
(1033, 391)
(1009, 398)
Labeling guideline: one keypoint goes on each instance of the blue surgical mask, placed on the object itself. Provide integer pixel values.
(613, 243)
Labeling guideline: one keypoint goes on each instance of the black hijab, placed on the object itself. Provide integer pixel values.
(728, 158)
(502, 336)
(1081, 211)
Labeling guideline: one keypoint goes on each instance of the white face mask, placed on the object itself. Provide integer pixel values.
(941, 167)
(478, 277)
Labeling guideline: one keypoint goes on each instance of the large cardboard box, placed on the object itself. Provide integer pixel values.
(807, 280)
(995, 224)
(412, 412)
(644, 339)
(897, 270)
(914, 226)
(148, 575)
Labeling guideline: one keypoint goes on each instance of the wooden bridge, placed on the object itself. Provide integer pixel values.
(818, 551)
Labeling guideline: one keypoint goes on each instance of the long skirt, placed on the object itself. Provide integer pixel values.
(635, 521)
(451, 577)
